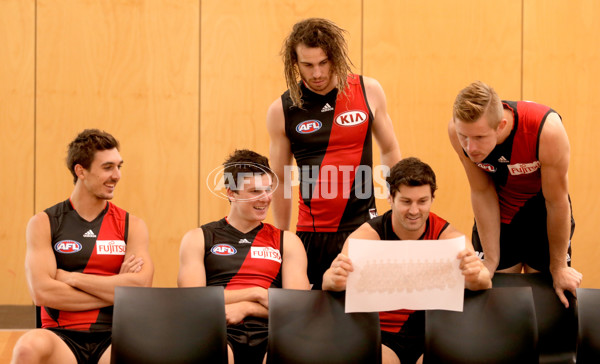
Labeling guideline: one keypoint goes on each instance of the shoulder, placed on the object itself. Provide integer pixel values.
(553, 142)
(372, 87)
(192, 239)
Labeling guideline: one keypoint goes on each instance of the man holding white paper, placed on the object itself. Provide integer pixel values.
(412, 186)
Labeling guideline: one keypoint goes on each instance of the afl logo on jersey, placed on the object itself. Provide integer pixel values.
(308, 126)
(351, 118)
(67, 246)
(487, 167)
(223, 249)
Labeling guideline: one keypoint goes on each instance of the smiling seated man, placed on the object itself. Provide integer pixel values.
(245, 256)
(412, 186)
(78, 251)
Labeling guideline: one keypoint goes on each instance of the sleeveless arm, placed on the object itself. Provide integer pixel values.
(383, 129)
(280, 155)
(484, 201)
(192, 272)
(554, 153)
(293, 267)
(41, 271)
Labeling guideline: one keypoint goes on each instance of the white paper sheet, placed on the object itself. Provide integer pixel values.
(407, 274)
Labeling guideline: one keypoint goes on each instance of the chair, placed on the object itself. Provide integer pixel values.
(312, 327)
(557, 325)
(496, 326)
(169, 325)
(588, 338)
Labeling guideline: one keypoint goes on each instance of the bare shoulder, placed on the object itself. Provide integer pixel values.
(289, 238)
(38, 229)
(373, 87)
(275, 115)
(554, 142)
(450, 232)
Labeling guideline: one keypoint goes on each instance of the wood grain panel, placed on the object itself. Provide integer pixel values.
(17, 50)
(423, 53)
(131, 68)
(8, 339)
(560, 69)
(242, 73)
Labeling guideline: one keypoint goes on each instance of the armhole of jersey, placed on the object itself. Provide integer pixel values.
(126, 232)
(281, 239)
(539, 133)
(364, 92)
(52, 225)
(285, 116)
(443, 229)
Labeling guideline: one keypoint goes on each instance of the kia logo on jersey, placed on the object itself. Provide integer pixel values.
(223, 249)
(67, 246)
(351, 118)
(308, 126)
(487, 167)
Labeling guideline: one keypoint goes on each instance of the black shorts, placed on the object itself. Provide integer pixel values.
(248, 340)
(409, 342)
(87, 346)
(321, 250)
(525, 239)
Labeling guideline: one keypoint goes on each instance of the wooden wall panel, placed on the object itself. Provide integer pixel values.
(560, 69)
(423, 53)
(242, 73)
(17, 39)
(131, 68)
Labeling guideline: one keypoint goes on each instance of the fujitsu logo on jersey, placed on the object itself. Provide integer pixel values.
(523, 168)
(67, 246)
(308, 126)
(223, 249)
(265, 252)
(110, 247)
(487, 167)
(351, 118)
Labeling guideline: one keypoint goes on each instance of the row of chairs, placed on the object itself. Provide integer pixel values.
(520, 320)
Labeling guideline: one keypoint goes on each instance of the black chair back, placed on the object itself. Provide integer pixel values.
(311, 327)
(169, 325)
(557, 325)
(496, 326)
(588, 337)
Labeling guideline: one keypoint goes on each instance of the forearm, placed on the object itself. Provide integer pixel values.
(255, 294)
(61, 296)
(254, 309)
(104, 286)
(559, 227)
(282, 207)
(487, 216)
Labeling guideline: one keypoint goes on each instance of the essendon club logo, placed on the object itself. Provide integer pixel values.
(523, 168)
(351, 118)
(67, 246)
(110, 247)
(265, 252)
(308, 126)
(487, 167)
(223, 249)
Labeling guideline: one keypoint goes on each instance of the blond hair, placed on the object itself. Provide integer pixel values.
(476, 100)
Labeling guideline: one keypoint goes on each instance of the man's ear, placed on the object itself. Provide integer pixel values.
(79, 171)
(230, 194)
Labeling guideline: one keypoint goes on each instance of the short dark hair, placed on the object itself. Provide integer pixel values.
(411, 172)
(242, 162)
(83, 148)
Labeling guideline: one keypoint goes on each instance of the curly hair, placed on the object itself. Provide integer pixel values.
(474, 101)
(411, 172)
(321, 33)
(83, 148)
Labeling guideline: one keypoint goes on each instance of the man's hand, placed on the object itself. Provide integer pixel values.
(235, 312)
(336, 277)
(470, 265)
(566, 279)
(131, 265)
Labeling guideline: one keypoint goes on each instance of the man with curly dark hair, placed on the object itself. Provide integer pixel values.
(325, 120)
